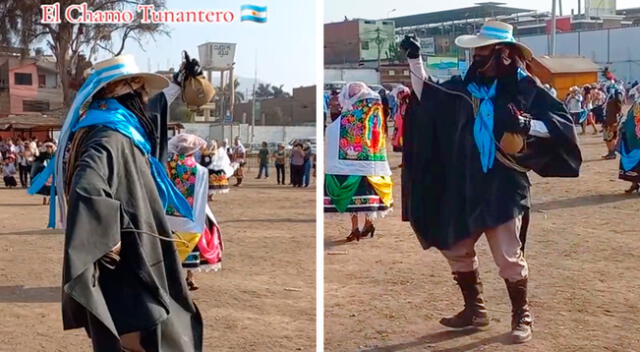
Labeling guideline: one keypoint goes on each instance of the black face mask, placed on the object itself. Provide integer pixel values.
(133, 101)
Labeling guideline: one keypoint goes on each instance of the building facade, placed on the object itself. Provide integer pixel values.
(357, 40)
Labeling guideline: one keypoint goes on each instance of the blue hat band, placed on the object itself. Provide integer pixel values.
(497, 33)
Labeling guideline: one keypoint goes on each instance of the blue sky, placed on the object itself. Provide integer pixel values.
(335, 10)
(285, 45)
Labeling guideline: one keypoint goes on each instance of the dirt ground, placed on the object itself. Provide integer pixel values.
(387, 294)
(262, 300)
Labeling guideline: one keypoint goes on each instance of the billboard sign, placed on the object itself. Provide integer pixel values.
(427, 46)
(217, 56)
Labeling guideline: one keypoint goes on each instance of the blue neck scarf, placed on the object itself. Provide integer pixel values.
(110, 113)
(483, 124)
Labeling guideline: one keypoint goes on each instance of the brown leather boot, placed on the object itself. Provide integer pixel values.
(521, 318)
(474, 313)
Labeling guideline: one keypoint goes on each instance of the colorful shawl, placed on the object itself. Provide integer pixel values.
(356, 141)
(192, 179)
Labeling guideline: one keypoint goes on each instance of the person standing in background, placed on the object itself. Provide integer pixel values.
(280, 156)
(263, 159)
(613, 111)
(306, 175)
(25, 160)
(297, 164)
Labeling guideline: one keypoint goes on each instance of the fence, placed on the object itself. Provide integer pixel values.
(607, 47)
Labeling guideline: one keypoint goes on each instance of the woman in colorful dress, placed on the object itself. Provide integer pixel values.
(629, 147)
(216, 160)
(358, 177)
(204, 249)
(239, 156)
(401, 94)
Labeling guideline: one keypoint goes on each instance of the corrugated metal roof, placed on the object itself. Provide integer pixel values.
(482, 11)
(567, 64)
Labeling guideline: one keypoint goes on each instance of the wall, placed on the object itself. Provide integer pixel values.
(341, 42)
(278, 134)
(296, 110)
(366, 75)
(607, 47)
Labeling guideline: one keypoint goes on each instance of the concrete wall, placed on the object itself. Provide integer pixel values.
(607, 47)
(278, 134)
(296, 110)
(366, 75)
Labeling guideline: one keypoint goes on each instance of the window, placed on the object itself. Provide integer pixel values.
(35, 105)
(42, 81)
(392, 72)
(364, 45)
(405, 72)
(23, 79)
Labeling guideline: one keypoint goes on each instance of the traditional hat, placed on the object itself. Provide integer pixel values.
(493, 32)
(101, 74)
(154, 83)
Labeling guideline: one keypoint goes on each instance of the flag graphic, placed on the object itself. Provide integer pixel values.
(253, 13)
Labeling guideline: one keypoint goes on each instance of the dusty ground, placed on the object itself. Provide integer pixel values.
(262, 300)
(387, 294)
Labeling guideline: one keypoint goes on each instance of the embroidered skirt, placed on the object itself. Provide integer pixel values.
(357, 194)
(218, 182)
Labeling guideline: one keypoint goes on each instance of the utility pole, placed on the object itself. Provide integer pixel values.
(379, 41)
(552, 50)
(253, 100)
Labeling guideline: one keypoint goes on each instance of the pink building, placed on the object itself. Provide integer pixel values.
(28, 85)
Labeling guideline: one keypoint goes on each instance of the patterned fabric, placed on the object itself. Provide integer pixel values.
(364, 199)
(218, 180)
(182, 171)
(362, 132)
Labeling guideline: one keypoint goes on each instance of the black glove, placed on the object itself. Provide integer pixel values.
(411, 47)
(189, 68)
(517, 122)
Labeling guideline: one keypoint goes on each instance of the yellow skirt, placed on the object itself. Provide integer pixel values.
(190, 242)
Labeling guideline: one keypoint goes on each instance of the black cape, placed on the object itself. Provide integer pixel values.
(445, 194)
(158, 110)
(112, 196)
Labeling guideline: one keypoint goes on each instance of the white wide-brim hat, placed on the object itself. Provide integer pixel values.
(154, 83)
(492, 32)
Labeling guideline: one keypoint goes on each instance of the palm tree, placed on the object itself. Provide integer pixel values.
(263, 91)
(278, 92)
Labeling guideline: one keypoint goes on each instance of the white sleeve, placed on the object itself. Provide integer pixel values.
(200, 197)
(538, 129)
(171, 92)
(418, 75)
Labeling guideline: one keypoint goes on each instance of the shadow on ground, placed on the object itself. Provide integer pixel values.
(426, 342)
(34, 232)
(582, 201)
(22, 294)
